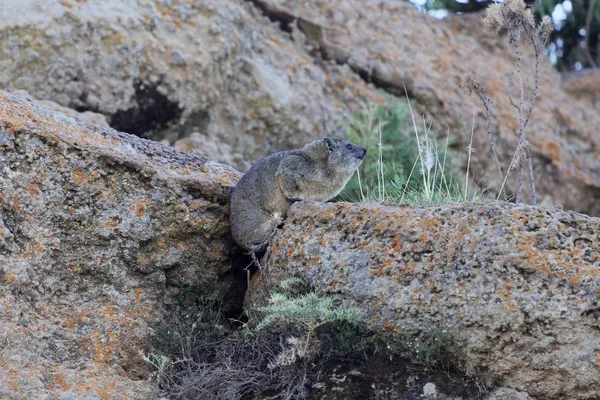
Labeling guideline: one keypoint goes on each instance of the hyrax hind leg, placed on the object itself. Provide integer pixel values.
(261, 235)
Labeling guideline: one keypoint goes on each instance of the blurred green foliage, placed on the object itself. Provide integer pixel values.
(567, 47)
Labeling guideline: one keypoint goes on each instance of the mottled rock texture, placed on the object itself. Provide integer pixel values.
(86, 116)
(260, 85)
(585, 85)
(517, 287)
(172, 67)
(395, 46)
(99, 233)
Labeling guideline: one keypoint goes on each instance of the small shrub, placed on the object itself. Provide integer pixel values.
(199, 354)
(303, 314)
(514, 17)
(428, 350)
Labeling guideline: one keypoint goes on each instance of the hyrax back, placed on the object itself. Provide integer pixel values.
(261, 199)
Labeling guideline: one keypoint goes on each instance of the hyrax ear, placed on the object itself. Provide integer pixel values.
(328, 144)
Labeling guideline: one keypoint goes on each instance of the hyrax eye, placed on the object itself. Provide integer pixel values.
(349, 146)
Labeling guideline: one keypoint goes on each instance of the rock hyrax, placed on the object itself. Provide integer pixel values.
(260, 201)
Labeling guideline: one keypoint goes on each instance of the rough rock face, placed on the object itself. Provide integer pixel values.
(206, 145)
(99, 232)
(173, 67)
(518, 287)
(86, 116)
(395, 46)
(585, 85)
(222, 69)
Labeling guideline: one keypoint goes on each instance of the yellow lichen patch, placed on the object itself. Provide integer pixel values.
(396, 244)
(552, 150)
(59, 382)
(14, 202)
(388, 326)
(506, 291)
(100, 352)
(141, 207)
(195, 205)
(109, 197)
(111, 224)
(79, 178)
(574, 279)
(75, 268)
(110, 310)
(139, 292)
(94, 176)
(33, 190)
(33, 250)
(108, 389)
(290, 251)
(196, 222)
(10, 278)
(429, 223)
(506, 294)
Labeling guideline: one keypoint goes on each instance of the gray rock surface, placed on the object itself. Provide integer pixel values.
(508, 394)
(516, 287)
(217, 67)
(86, 116)
(99, 233)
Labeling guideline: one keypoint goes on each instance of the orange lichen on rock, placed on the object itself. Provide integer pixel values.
(493, 269)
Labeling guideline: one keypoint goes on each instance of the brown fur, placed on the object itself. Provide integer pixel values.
(261, 199)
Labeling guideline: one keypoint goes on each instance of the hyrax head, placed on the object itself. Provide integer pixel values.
(343, 155)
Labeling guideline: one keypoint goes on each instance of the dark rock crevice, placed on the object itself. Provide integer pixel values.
(153, 111)
(378, 75)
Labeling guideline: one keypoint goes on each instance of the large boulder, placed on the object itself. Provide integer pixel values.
(168, 68)
(100, 232)
(222, 69)
(516, 287)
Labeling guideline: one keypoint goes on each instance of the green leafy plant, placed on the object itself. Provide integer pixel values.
(428, 350)
(306, 313)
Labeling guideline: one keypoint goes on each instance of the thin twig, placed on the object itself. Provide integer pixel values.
(470, 150)
(531, 176)
(521, 117)
(588, 26)
(485, 101)
(519, 180)
(534, 95)
(511, 86)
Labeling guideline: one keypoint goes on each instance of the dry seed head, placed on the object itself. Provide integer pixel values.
(512, 15)
(494, 18)
(545, 29)
(471, 84)
(517, 7)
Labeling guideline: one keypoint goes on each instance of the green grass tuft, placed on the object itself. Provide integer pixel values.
(405, 163)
